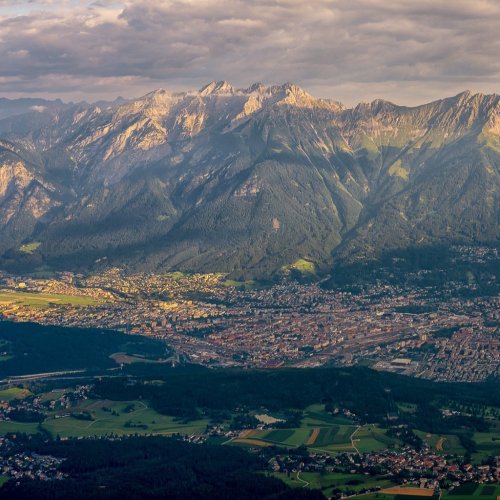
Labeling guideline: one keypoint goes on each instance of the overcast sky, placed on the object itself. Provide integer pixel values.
(407, 51)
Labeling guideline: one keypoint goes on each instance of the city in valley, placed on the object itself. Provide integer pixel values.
(139, 357)
(419, 330)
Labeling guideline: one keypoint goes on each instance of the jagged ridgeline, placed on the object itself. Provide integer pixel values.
(253, 181)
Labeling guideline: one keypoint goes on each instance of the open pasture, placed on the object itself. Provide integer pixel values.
(9, 426)
(487, 443)
(316, 416)
(333, 438)
(42, 300)
(372, 438)
(472, 490)
(445, 444)
(12, 393)
(124, 417)
(327, 435)
(107, 417)
(330, 481)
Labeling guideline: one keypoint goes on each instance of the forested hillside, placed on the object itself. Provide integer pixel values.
(244, 181)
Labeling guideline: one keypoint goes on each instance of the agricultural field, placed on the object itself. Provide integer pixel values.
(335, 438)
(409, 491)
(42, 300)
(446, 443)
(278, 436)
(14, 393)
(121, 418)
(472, 490)
(324, 432)
(319, 430)
(51, 395)
(463, 492)
(25, 427)
(372, 438)
(487, 443)
(330, 481)
(316, 416)
(291, 438)
(106, 418)
(388, 496)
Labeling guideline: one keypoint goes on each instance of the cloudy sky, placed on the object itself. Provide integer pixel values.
(407, 51)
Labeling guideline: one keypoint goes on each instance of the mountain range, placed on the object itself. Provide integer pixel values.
(245, 181)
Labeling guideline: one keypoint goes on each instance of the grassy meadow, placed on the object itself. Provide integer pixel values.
(43, 300)
(107, 418)
(320, 431)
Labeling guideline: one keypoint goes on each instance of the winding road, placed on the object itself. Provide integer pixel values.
(352, 438)
(306, 483)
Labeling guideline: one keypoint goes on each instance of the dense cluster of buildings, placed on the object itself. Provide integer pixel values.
(426, 467)
(17, 464)
(29, 408)
(423, 469)
(392, 327)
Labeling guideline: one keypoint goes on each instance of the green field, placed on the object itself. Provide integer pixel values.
(470, 490)
(371, 438)
(52, 395)
(29, 248)
(430, 439)
(333, 434)
(42, 300)
(141, 420)
(303, 266)
(14, 393)
(327, 435)
(463, 492)
(333, 431)
(334, 438)
(331, 439)
(298, 438)
(278, 436)
(487, 443)
(450, 445)
(329, 481)
(27, 428)
(3, 480)
(316, 416)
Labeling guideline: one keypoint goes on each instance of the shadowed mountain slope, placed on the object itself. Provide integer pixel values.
(244, 180)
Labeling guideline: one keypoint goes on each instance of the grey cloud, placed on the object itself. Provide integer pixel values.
(344, 49)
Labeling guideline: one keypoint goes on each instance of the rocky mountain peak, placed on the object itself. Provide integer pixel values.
(293, 89)
(221, 87)
(259, 177)
(258, 88)
(293, 95)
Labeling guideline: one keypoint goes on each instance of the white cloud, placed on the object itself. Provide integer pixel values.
(346, 49)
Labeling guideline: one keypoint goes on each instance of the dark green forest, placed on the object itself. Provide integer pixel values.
(150, 468)
(371, 395)
(34, 348)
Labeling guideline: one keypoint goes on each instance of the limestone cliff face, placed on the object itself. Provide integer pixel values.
(227, 179)
(25, 198)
